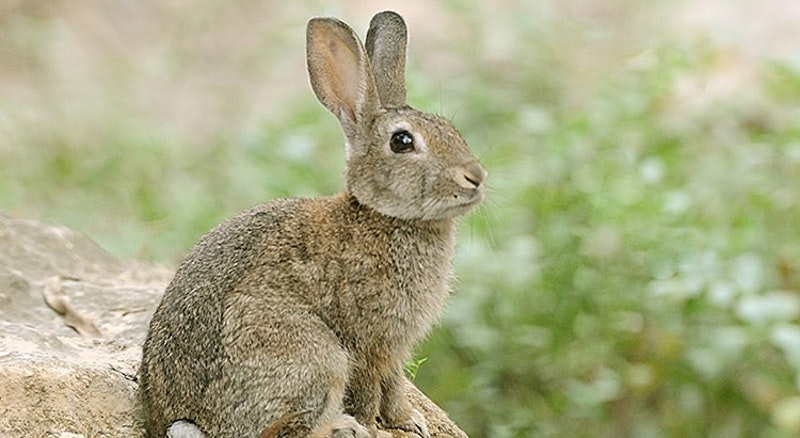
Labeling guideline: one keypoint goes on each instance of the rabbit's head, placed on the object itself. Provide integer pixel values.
(400, 162)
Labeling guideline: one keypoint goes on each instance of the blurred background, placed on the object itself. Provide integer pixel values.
(635, 269)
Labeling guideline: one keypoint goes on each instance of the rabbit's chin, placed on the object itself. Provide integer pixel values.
(435, 209)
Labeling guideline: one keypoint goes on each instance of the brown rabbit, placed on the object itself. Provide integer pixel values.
(300, 312)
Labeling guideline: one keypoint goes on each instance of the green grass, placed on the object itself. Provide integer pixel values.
(633, 273)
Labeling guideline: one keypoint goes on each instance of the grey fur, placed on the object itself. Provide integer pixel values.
(294, 317)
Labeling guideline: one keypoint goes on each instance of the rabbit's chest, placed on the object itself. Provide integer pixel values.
(398, 295)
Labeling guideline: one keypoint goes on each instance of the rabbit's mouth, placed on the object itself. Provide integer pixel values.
(474, 199)
(462, 203)
(451, 206)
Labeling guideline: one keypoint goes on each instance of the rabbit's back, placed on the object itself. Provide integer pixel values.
(185, 345)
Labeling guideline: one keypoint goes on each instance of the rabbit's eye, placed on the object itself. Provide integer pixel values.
(402, 141)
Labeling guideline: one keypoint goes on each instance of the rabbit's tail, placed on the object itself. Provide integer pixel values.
(184, 429)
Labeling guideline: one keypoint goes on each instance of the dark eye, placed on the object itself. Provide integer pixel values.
(402, 141)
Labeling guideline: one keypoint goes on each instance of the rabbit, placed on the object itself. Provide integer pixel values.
(298, 314)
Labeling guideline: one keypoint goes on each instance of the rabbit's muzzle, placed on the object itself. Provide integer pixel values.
(470, 188)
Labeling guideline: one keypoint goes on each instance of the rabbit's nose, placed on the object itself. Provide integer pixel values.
(475, 174)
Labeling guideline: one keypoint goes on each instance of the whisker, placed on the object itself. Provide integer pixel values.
(486, 152)
(453, 116)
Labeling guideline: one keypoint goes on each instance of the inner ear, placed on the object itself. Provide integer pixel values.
(341, 70)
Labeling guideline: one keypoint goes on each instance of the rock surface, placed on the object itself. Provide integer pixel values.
(72, 321)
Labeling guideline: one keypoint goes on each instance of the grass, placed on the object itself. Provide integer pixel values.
(634, 272)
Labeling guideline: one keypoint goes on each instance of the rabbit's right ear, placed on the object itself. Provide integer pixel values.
(340, 75)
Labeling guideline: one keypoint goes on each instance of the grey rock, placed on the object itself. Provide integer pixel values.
(53, 381)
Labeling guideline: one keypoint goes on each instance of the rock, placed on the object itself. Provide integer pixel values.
(57, 383)
(53, 381)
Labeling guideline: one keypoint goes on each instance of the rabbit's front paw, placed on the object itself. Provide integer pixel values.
(412, 422)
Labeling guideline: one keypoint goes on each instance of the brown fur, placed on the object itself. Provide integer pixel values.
(311, 306)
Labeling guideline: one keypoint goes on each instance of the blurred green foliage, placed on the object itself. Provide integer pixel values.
(634, 272)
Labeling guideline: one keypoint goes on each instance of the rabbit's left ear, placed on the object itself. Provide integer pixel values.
(386, 45)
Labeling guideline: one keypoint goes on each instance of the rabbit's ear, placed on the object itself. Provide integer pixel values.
(386, 46)
(340, 74)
